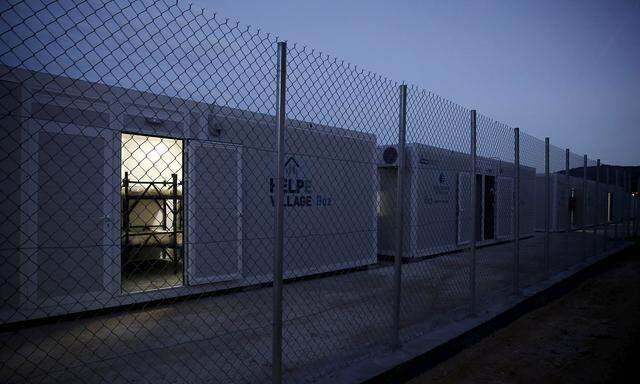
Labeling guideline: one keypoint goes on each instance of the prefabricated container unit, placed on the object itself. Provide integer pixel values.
(62, 194)
(577, 196)
(566, 204)
(612, 202)
(591, 203)
(558, 204)
(437, 215)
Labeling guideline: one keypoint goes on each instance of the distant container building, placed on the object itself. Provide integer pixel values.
(567, 202)
(438, 216)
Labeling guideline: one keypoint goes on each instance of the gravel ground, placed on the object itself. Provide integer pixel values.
(590, 335)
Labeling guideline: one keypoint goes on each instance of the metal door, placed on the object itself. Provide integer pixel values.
(214, 212)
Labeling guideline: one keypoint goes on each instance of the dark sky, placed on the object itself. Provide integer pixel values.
(569, 70)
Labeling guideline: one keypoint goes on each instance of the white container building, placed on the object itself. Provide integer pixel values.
(83, 189)
(569, 203)
(437, 211)
(565, 203)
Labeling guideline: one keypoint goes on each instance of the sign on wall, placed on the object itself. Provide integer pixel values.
(440, 191)
(298, 187)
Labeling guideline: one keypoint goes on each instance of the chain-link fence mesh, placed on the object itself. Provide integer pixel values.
(141, 164)
(347, 117)
(139, 178)
(435, 276)
(495, 202)
(533, 258)
(560, 206)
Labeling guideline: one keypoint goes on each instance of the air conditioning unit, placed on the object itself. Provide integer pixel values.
(387, 156)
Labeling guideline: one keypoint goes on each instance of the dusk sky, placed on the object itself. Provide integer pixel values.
(569, 70)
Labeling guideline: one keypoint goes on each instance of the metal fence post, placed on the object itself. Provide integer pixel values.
(567, 153)
(608, 209)
(628, 198)
(516, 221)
(279, 227)
(632, 209)
(629, 201)
(628, 226)
(399, 235)
(637, 203)
(620, 220)
(584, 205)
(632, 230)
(474, 213)
(547, 207)
(596, 216)
(623, 202)
(615, 218)
(623, 216)
(624, 205)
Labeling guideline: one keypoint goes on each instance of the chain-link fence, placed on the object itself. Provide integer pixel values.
(186, 199)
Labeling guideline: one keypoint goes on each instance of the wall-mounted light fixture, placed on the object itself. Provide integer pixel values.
(153, 120)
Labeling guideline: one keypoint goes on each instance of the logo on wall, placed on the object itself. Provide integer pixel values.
(298, 187)
(291, 167)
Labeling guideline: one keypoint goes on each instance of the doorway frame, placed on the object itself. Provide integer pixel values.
(183, 141)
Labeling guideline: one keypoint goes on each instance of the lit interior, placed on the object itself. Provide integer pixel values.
(151, 194)
(149, 158)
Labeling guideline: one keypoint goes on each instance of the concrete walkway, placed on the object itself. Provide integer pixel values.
(329, 322)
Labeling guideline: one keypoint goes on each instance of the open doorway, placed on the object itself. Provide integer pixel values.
(489, 216)
(152, 217)
(485, 225)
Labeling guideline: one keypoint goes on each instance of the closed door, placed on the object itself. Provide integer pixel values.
(464, 208)
(504, 203)
(214, 212)
(71, 200)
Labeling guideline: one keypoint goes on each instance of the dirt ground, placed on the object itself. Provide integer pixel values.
(590, 335)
